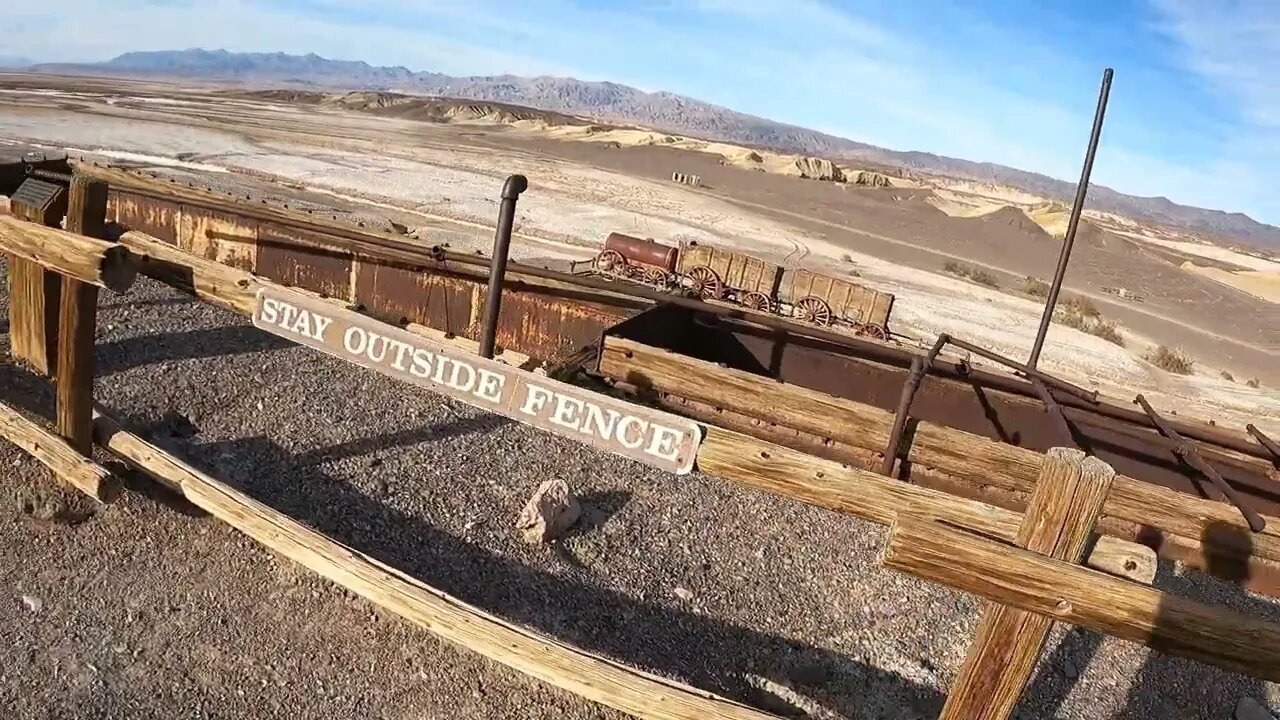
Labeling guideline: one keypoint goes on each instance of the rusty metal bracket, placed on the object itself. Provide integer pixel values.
(1266, 442)
(1187, 453)
(511, 190)
(919, 368)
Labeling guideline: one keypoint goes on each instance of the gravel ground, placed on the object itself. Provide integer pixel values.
(145, 608)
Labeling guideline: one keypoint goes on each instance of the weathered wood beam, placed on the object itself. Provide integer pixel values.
(1018, 578)
(67, 464)
(590, 676)
(1133, 507)
(86, 215)
(33, 314)
(89, 260)
(1059, 522)
(870, 496)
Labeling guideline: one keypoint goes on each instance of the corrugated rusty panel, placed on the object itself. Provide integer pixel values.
(550, 328)
(221, 237)
(157, 218)
(394, 293)
(284, 256)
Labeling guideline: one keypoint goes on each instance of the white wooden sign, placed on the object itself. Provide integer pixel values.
(661, 439)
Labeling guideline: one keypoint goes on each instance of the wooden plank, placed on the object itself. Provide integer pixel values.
(89, 260)
(870, 496)
(33, 314)
(590, 676)
(1059, 521)
(53, 452)
(1018, 578)
(972, 460)
(86, 215)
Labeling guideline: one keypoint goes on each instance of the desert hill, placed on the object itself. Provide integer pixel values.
(661, 110)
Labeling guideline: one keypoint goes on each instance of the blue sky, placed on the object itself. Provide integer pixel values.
(1194, 114)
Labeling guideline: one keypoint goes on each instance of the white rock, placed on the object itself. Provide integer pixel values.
(683, 594)
(1250, 709)
(33, 603)
(550, 512)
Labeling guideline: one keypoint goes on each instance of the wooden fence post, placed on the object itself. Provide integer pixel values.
(86, 215)
(1064, 506)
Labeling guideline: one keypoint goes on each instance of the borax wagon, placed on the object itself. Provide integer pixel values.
(716, 274)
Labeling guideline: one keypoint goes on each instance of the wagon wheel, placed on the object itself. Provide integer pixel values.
(874, 331)
(656, 277)
(814, 310)
(757, 301)
(611, 262)
(706, 284)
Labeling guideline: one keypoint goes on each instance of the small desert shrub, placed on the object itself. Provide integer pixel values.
(982, 277)
(1227, 376)
(1035, 287)
(1083, 315)
(1252, 382)
(1170, 360)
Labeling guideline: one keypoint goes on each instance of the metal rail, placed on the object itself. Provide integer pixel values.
(1267, 442)
(1054, 410)
(1077, 208)
(919, 368)
(1188, 454)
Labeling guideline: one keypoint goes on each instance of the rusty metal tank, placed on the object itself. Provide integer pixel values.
(644, 252)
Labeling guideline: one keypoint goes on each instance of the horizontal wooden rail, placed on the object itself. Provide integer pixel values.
(870, 496)
(974, 462)
(1028, 581)
(595, 678)
(55, 453)
(97, 262)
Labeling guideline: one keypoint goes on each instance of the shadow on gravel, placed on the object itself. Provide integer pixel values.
(1166, 686)
(402, 438)
(119, 355)
(709, 653)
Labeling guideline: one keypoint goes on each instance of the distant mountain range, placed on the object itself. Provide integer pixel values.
(11, 62)
(659, 110)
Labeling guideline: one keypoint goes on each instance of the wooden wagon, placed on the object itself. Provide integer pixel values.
(719, 274)
(823, 300)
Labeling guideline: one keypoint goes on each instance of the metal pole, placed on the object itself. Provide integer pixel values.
(1082, 189)
(511, 190)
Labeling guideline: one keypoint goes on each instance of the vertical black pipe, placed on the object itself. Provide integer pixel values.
(1077, 208)
(511, 190)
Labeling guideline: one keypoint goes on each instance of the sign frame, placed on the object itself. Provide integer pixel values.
(655, 437)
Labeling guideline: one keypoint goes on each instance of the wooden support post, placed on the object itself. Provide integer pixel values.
(1234, 641)
(1060, 517)
(70, 466)
(590, 676)
(86, 215)
(33, 314)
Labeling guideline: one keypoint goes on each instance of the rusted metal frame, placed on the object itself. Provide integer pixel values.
(1089, 396)
(1267, 442)
(1073, 224)
(417, 256)
(511, 190)
(1187, 453)
(919, 368)
(1052, 407)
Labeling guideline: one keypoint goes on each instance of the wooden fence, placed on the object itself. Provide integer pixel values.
(1046, 565)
